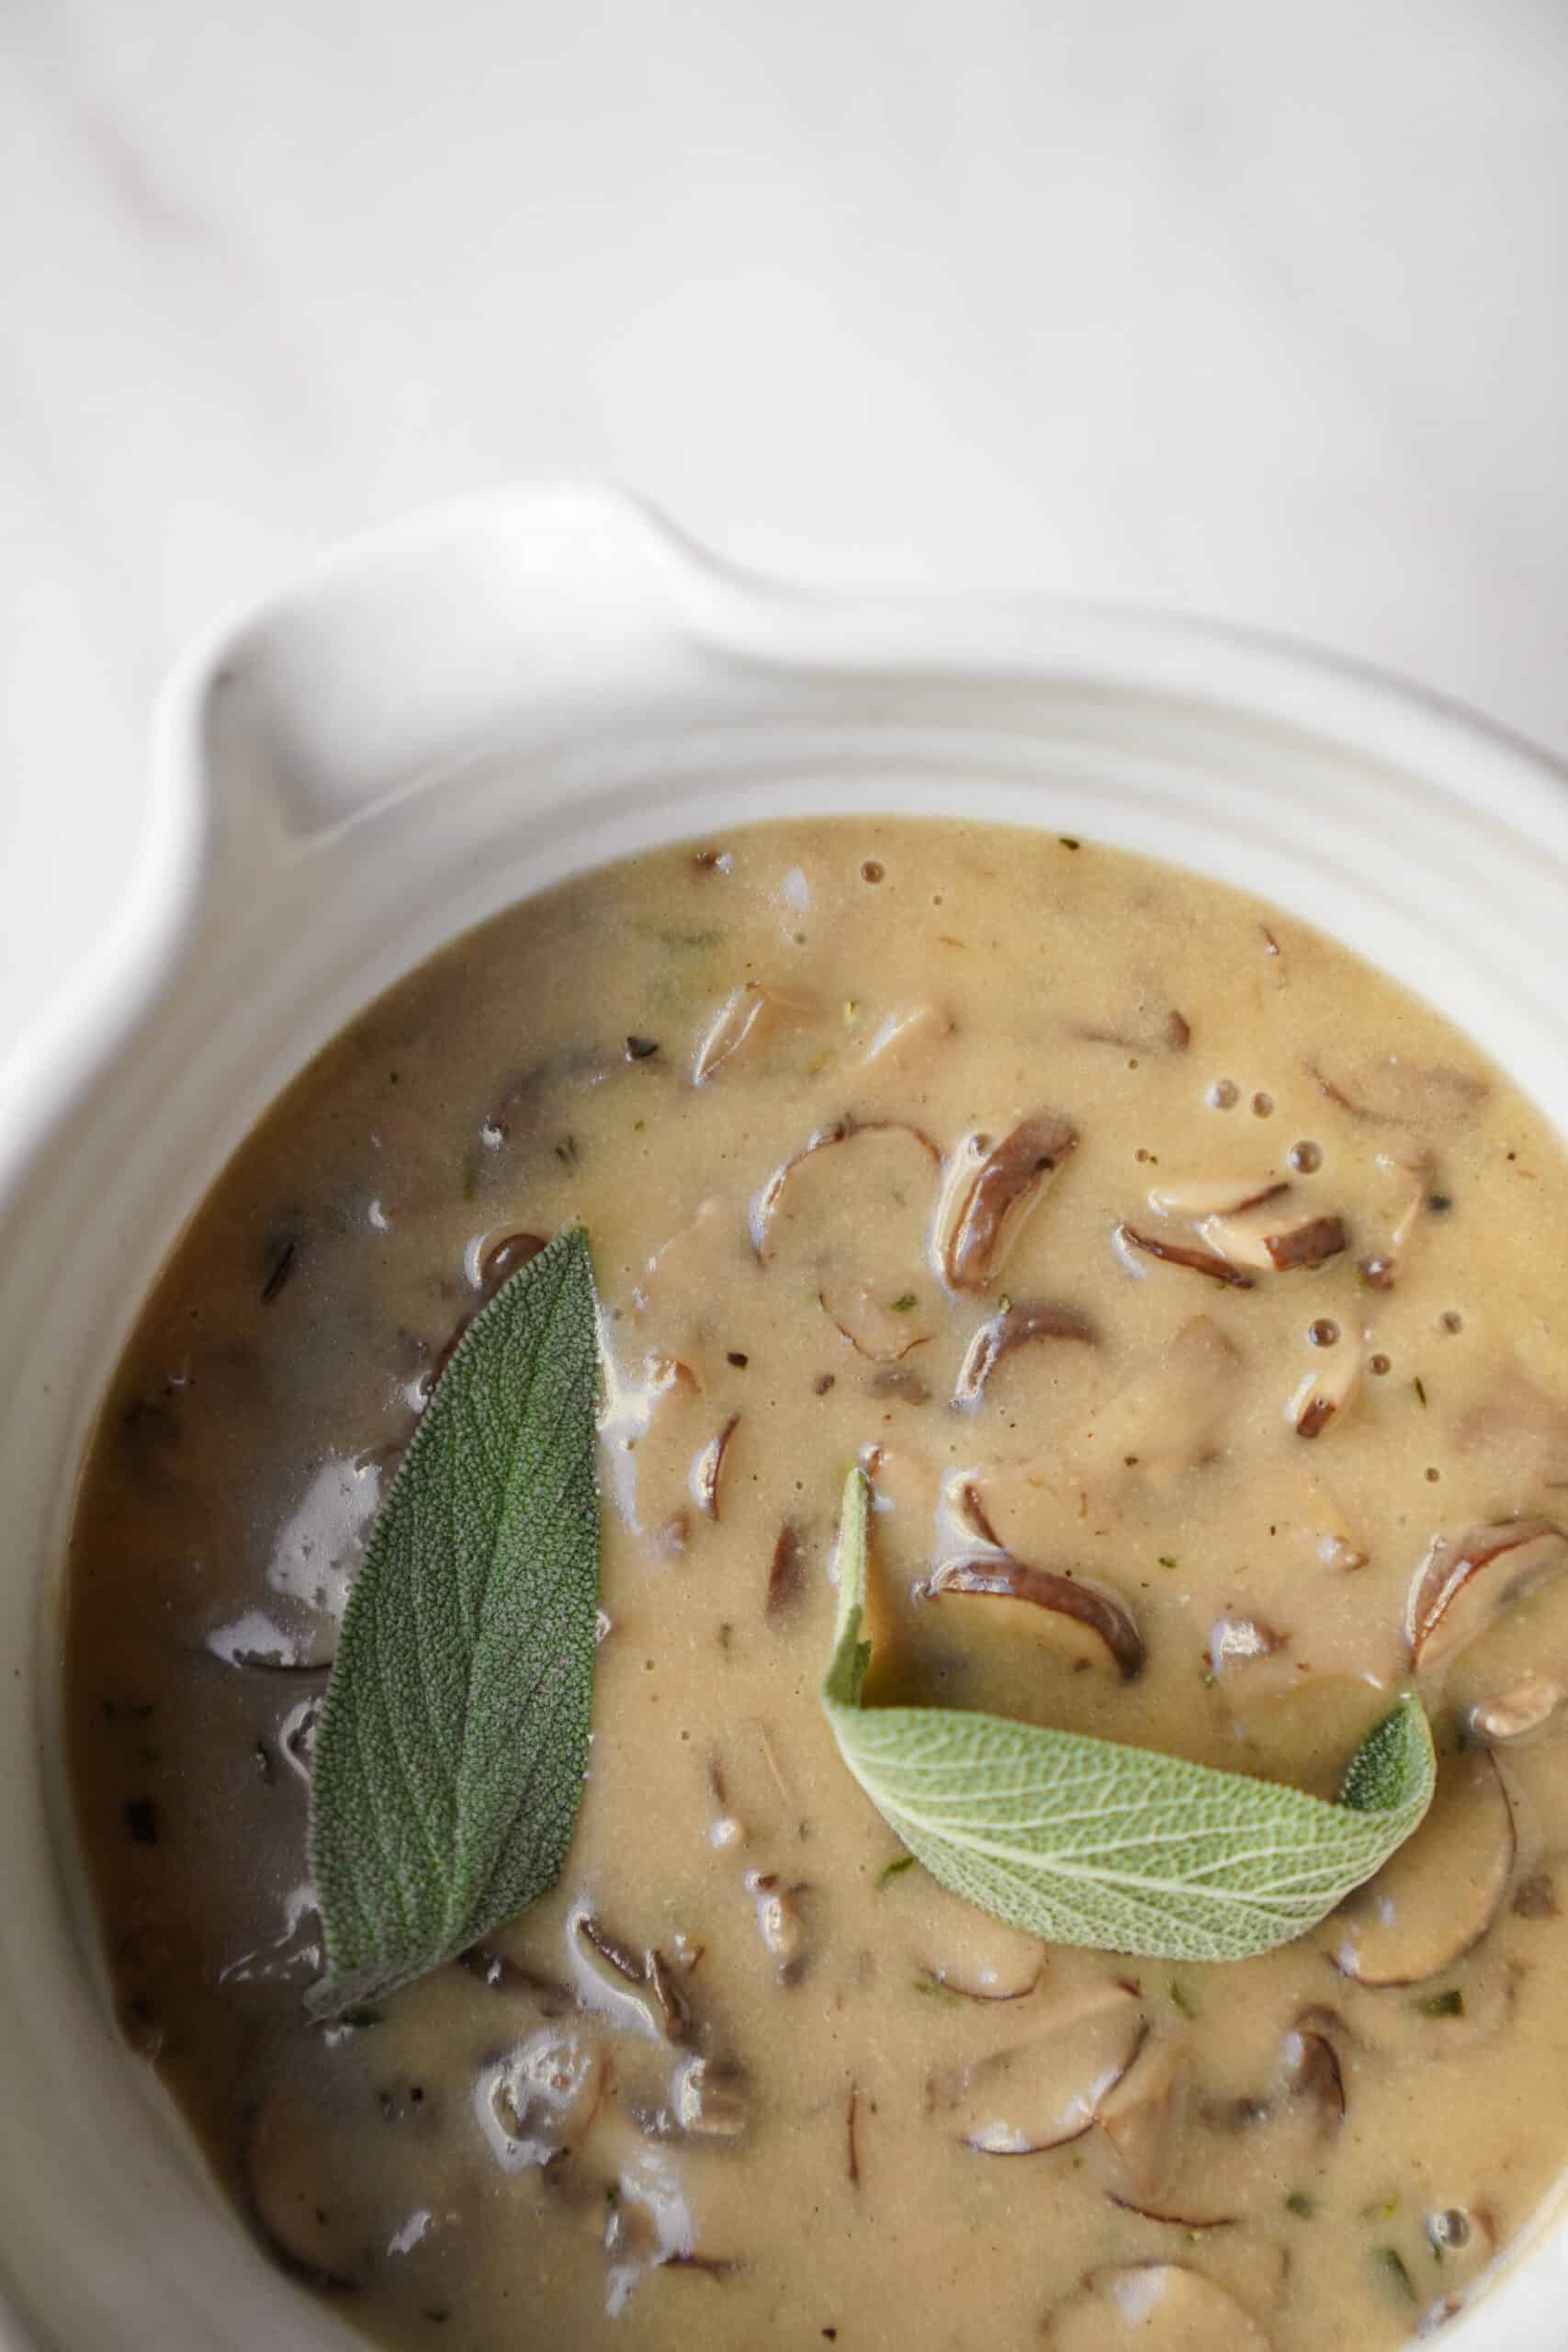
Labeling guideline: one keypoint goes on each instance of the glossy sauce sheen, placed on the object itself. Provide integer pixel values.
(783, 2130)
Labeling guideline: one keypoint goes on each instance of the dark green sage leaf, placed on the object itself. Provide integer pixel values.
(454, 1741)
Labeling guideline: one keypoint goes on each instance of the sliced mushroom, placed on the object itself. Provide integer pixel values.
(1450, 1601)
(1307, 1245)
(1044, 2092)
(1314, 2073)
(848, 1214)
(500, 1255)
(655, 1424)
(1272, 1239)
(1176, 1414)
(1197, 1198)
(1144, 2117)
(1402, 1186)
(538, 2102)
(991, 1192)
(746, 1019)
(1086, 1617)
(966, 1950)
(1389, 1093)
(669, 2000)
(769, 1205)
(708, 1468)
(1177, 1253)
(711, 2101)
(499, 1974)
(1441, 1893)
(1160, 2306)
(1149, 1032)
(1016, 1327)
(627, 1986)
(1521, 1713)
(908, 1034)
(786, 1574)
(680, 1267)
(1328, 1389)
(1147, 2210)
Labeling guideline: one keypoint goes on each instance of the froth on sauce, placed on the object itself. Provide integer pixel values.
(1277, 1325)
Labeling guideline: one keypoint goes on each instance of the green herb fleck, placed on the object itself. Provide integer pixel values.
(1181, 1998)
(1299, 2203)
(894, 1869)
(1165, 1560)
(905, 1301)
(1450, 2003)
(1391, 2262)
(705, 936)
(1419, 1386)
(1381, 2209)
(566, 1151)
(933, 1991)
(454, 1742)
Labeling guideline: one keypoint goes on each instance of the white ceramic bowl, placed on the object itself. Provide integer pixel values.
(443, 719)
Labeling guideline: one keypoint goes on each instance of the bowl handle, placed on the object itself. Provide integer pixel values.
(484, 620)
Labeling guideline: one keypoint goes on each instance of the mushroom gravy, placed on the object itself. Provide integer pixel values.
(1131, 1234)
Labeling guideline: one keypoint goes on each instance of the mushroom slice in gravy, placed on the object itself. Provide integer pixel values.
(1015, 1327)
(1387, 1090)
(1434, 1902)
(904, 1037)
(1069, 1605)
(1519, 1713)
(1464, 1580)
(744, 1022)
(991, 1192)
(1178, 1253)
(1160, 2306)
(847, 1212)
(1144, 2117)
(1325, 1393)
(1043, 2092)
(967, 1951)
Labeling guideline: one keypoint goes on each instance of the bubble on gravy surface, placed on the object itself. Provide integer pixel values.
(1270, 1367)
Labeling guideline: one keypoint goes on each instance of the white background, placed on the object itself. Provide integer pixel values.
(1248, 308)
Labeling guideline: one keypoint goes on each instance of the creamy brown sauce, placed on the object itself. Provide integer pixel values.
(742, 2080)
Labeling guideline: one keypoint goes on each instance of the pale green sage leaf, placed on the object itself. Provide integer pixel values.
(453, 1746)
(1090, 1841)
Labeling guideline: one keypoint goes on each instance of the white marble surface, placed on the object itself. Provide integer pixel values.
(1233, 305)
